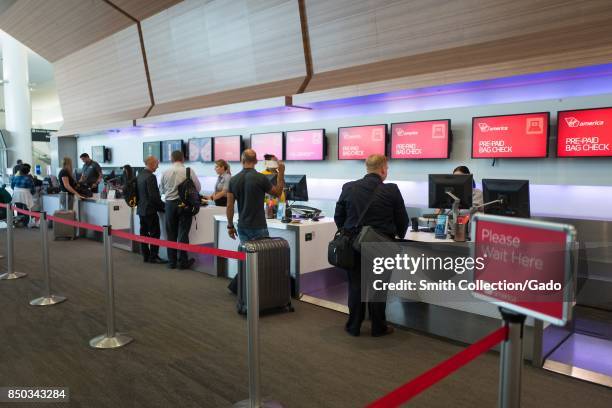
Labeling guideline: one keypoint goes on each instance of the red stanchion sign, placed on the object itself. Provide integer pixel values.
(529, 266)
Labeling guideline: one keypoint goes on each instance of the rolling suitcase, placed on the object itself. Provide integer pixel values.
(63, 231)
(274, 278)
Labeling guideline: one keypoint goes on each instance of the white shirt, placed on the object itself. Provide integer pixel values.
(174, 176)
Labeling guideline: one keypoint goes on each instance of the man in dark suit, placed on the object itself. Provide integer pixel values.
(149, 203)
(387, 214)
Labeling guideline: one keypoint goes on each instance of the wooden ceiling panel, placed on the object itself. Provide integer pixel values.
(104, 82)
(57, 28)
(196, 48)
(347, 33)
(141, 9)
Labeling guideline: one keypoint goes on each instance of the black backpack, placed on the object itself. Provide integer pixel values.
(130, 192)
(189, 195)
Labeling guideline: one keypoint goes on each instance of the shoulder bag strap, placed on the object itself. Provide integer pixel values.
(368, 206)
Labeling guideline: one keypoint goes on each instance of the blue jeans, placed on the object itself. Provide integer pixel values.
(248, 234)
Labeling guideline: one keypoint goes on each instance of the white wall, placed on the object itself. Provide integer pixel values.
(325, 178)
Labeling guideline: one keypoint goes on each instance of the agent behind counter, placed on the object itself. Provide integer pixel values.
(91, 173)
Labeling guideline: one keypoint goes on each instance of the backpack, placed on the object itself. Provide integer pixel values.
(130, 191)
(189, 196)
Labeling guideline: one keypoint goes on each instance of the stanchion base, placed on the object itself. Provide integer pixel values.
(47, 300)
(264, 404)
(13, 275)
(1, 256)
(104, 342)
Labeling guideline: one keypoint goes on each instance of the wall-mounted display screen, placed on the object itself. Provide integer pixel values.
(228, 148)
(523, 135)
(201, 149)
(169, 146)
(151, 149)
(305, 144)
(421, 140)
(584, 133)
(98, 154)
(268, 143)
(358, 142)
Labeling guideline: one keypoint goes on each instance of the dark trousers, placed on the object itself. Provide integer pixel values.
(149, 227)
(357, 308)
(177, 230)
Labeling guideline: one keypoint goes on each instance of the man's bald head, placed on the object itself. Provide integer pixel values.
(151, 162)
(249, 157)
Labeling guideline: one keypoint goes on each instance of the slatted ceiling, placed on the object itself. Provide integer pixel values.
(348, 33)
(196, 49)
(141, 9)
(57, 28)
(542, 63)
(104, 80)
(251, 93)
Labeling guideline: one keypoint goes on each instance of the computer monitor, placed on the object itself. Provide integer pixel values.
(458, 185)
(513, 193)
(296, 187)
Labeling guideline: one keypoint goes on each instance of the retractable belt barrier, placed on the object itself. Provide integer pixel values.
(416, 386)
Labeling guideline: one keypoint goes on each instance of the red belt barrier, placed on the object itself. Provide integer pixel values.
(224, 253)
(3, 205)
(414, 387)
(26, 212)
(77, 224)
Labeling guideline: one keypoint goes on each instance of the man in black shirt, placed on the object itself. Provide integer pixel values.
(387, 214)
(92, 173)
(149, 203)
(249, 188)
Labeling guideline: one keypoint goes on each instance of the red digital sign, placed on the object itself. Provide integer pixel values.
(420, 140)
(228, 148)
(358, 142)
(268, 143)
(526, 265)
(512, 136)
(584, 133)
(305, 144)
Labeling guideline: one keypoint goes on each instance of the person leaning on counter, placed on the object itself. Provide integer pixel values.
(68, 182)
(387, 215)
(222, 168)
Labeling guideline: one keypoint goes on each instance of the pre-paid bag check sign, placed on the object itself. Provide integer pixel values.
(529, 266)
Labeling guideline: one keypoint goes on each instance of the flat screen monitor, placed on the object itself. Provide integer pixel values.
(359, 142)
(296, 187)
(98, 154)
(428, 139)
(305, 144)
(268, 143)
(522, 135)
(151, 149)
(169, 146)
(228, 148)
(200, 149)
(458, 185)
(584, 133)
(514, 196)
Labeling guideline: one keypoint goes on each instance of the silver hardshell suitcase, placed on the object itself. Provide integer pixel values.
(273, 262)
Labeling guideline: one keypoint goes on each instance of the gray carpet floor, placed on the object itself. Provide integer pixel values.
(190, 345)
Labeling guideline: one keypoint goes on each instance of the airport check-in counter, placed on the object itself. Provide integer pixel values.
(114, 212)
(307, 240)
(201, 233)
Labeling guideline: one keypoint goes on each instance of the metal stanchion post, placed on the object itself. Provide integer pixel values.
(48, 299)
(111, 339)
(511, 360)
(252, 284)
(10, 274)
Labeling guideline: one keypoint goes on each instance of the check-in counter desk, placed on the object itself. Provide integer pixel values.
(114, 212)
(307, 240)
(201, 233)
(457, 315)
